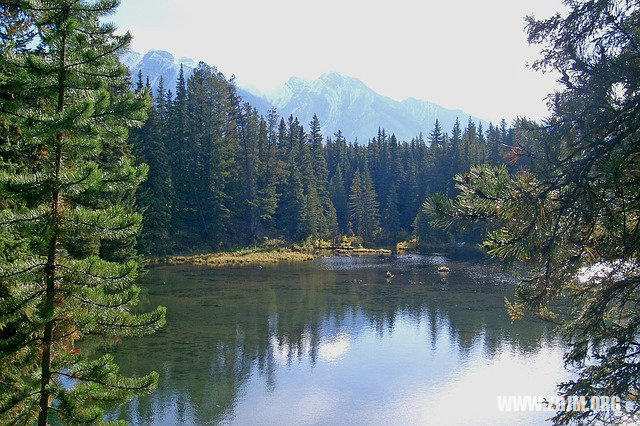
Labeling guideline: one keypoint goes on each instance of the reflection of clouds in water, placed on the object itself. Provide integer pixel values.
(474, 273)
(488, 276)
(283, 351)
(293, 344)
(330, 349)
(296, 405)
(366, 262)
(279, 350)
(471, 396)
(397, 379)
(345, 263)
(413, 260)
(335, 348)
(402, 261)
(313, 407)
(437, 260)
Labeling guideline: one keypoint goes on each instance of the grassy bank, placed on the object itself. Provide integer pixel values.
(340, 246)
(273, 251)
(241, 257)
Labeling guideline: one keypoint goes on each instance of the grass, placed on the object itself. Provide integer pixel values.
(242, 257)
(342, 246)
(274, 251)
(364, 250)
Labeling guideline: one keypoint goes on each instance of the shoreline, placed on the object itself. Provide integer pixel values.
(236, 258)
(249, 256)
(270, 254)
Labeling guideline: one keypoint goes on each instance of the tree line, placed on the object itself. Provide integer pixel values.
(220, 174)
(562, 196)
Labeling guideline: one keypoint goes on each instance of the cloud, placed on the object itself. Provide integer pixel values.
(334, 349)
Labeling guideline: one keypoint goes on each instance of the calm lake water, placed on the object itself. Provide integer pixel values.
(334, 342)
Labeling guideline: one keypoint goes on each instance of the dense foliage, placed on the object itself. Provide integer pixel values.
(221, 175)
(67, 225)
(563, 195)
(574, 210)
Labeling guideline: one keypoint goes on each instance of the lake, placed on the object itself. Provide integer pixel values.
(335, 341)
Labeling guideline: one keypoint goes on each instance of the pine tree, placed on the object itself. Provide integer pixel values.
(482, 146)
(291, 211)
(181, 161)
(372, 224)
(329, 224)
(54, 296)
(390, 214)
(441, 157)
(269, 170)
(313, 214)
(357, 213)
(456, 163)
(248, 134)
(435, 139)
(197, 152)
(213, 116)
(340, 200)
(140, 82)
(155, 195)
(363, 205)
(469, 149)
(494, 146)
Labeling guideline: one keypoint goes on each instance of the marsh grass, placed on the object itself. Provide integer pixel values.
(274, 251)
(242, 257)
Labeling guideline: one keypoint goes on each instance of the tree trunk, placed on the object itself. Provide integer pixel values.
(47, 341)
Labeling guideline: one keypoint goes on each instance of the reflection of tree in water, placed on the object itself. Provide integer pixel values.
(225, 324)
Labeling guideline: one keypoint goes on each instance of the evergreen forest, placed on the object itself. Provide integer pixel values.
(97, 172)
(221, 175)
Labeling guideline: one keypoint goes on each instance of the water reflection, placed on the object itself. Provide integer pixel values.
(332, 341)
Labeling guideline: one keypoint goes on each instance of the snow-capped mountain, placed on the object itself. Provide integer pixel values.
(346, 103)
(341, 102)
(155, 64)
(158, 63)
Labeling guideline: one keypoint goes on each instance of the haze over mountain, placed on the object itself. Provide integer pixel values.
(341, 102)
(347, 104)
(158, 63)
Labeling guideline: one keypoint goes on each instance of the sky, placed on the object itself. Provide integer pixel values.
(461, 54)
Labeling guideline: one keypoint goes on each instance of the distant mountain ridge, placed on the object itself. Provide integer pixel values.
(155, 64)
(347, 104)
(341, 102)
(158, 63)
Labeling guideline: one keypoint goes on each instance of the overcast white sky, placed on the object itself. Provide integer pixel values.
(466, 54)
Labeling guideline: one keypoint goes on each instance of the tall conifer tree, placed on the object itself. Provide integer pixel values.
(339, 200)
(328, 225)
(55, 295)
(363, 205)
